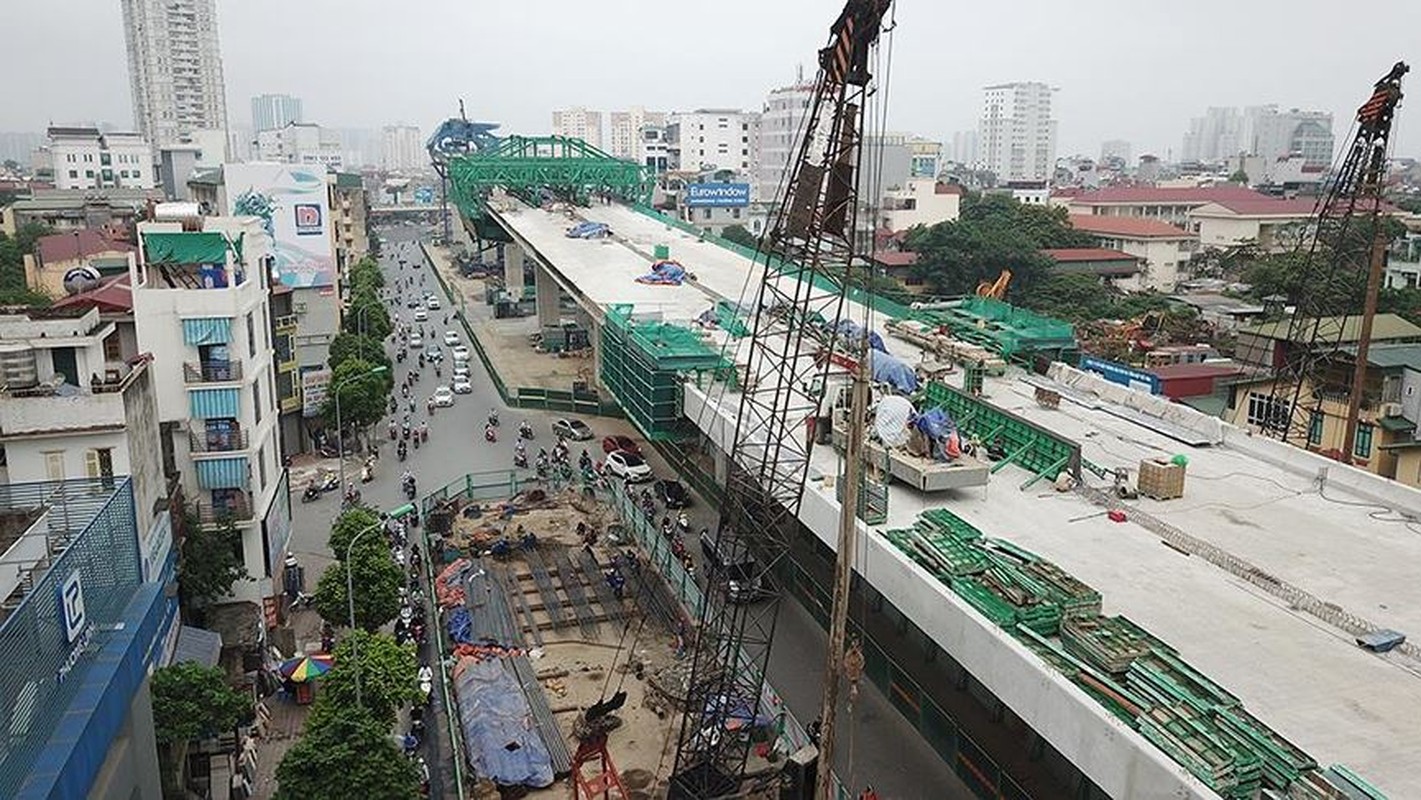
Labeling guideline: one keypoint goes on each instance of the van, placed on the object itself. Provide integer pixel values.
(730, 564)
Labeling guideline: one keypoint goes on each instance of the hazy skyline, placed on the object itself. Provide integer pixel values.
(1125, 70)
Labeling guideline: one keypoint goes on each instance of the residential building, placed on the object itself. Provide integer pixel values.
(1117, 153)
(713, 214)
(272, 111)
(654, 151)
(402, 149)
(349, 209)
(921, 201)
(174, 68)
(1271, 224)
(1163, 249)
(301, 143)
(964, 149)
(782, 126)
(579, 123)
(1213, 137)
(1028, 193)
(1287, 173)
(1017, 134)
(714, 139)
(66, 210)
(84, 158)
(624, 131)
(1225, 313)
(1278, 135)
(1170, 205)
(201, 301)
(1114, 267)
(926, 157)
(1403, 264)
(65, 263)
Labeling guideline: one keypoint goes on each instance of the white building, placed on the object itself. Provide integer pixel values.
(272, 111)
(781, 129)
(402, 149)
(922, 201)
(174, 68)
(927, 157)
(1163, 249)
(579, 123)
(624, 131)
(653, 150)
(205, 311)
(84, 158)
(711, 139)
(1213, 137)
(301, 143)
(1017, 135)
(1306, 133)
(964, 148)
(1116, 153)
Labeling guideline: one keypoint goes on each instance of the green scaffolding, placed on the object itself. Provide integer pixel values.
(1016, 333)
(528, 166)
(644, 364)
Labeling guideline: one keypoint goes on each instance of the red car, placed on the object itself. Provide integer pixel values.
(611, 444)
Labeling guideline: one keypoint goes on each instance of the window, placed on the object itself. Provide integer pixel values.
(251, 337)
(1315, 421)
(261, 468)
(54, 465)
(74, 173)
(705, 213)
(98, 463)
(1268, 412)
(113, 348)
(266, 326)
(1362, 446)
(88, 173)
(257, 399)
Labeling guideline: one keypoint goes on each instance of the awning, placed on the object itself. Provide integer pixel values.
(207, 330)
(1396, 424)
(213, 403)
(222, 473)
(187, 248)
(198, 645)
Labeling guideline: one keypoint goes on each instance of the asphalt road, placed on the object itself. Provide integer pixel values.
(886, 751)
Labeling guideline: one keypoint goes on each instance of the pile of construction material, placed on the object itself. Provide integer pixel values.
(932, 339)
(1137, 677)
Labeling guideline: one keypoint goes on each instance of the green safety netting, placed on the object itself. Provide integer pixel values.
(644, 364)
(190, 248)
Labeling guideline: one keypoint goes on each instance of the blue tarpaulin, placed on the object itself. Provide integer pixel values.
(886, 368)
(461, 625)
(940, 429)
(852, 334)
(664, 273)
(500, 733)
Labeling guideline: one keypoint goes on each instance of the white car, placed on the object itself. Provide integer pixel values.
(433, 303)
(420, 315)
(462, 384)
(443, 397)
(460, 353)
(416, 341)
(630, 467)
(461, 370)
(451, 338)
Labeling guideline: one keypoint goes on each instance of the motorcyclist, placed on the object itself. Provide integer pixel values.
(525, 430)
(394, 429)
(493, 417)
(490, 434)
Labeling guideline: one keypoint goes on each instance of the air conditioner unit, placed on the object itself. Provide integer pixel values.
(1389, 410)
(298, 307)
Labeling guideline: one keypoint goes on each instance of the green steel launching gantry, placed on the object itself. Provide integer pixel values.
(534, 167)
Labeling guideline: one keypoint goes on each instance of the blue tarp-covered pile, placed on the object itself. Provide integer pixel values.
(888, 368)
(944, 443)
(852, 334)
(588, 230)
(664, 273)
(460, 626)
(499, 731)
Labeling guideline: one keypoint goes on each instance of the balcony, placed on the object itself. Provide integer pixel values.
(228, 441)
(236, 507)
(285, 323)
(212, 372)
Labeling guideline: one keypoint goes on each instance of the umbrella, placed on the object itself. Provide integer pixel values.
(305, 668)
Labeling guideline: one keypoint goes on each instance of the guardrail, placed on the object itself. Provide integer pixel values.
(217, 442)
(212, 372)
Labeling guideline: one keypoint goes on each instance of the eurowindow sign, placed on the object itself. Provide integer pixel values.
(71, 605)
(716, 195)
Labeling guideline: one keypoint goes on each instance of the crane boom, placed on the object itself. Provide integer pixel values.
(807, 259)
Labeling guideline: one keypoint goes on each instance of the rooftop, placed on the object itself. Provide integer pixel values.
(1183, 371)
(1393, 355)
(1128, 227)
(1218, 302)
(1299, 207)
(1190, 195)
(895, 258)
(1384, 326)
(1073, 254)
(81, 243)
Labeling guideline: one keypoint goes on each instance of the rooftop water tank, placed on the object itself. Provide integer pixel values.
(17, 366)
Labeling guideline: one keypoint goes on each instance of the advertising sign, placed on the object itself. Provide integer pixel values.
(71, 602)
(277, 526)
(291, 200)
(157, 545)
(314, 386)
(1122, 374)
(716, 195)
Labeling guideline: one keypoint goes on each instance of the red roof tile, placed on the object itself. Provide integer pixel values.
(79, 244)
(1127, 227)
(1185, 371)
(1271, 206)
(1166, 196)
(895, 258)
(114, 294)
(1073, 254)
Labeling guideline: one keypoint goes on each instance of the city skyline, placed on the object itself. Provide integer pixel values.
(1133, 88)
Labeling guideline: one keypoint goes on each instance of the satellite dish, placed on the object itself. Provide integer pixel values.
(890, 420)
(81, 279)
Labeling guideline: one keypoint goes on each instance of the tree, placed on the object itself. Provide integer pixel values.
(345, 752)
(1240, 177)
(738, 235)
(208, 563)
(363, 395)
(368, 315)
(377, 579)
(349, 524)
(192, 701)
(366, 274)
(389, 674)
(353, 345)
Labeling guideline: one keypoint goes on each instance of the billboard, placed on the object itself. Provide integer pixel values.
(1125, 375)
(716, 195)
(291, 200)
(314, 385)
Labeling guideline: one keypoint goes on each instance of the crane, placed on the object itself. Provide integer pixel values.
(810, 245)
(1347, 241)
(996, 289)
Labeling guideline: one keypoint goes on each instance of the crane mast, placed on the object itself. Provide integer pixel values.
(1347, 241)
(808, 260)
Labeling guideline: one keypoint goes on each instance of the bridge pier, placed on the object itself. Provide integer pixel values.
(513, 270)
(548, 294)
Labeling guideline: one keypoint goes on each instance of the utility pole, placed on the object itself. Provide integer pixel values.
(843, 572)
(1375, 267)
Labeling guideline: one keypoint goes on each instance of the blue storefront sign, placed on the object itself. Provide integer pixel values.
(1123, 374)
(717, 195)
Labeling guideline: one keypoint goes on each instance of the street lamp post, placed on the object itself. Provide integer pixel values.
(398, 512)
(340, 428)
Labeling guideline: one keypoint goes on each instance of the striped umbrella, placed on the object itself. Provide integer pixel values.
(305, 668)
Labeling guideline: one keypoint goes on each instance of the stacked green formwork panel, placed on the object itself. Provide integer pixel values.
(644, 365)
(1028, 445)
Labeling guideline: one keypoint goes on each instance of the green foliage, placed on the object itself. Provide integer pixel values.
(191, 701)
(352, 345)
(367, 314)
(350, 523)
(13, 288)
(1240, 177)
(993, 233)
(207, 563)
(389, 674)
(366, 274)
(1082, 298)
(739, 235)
(363, 395)
(345, 752)
(1409, 203)
(377, 580)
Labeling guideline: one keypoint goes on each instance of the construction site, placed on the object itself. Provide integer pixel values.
(1069, 587)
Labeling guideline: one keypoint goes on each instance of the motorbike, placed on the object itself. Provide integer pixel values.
(367, 472)
(409, 490)
(416, 442)
(329, 483)
(405, 431)
(394, 430)
(520, 460)
(312, 493)
(426, 684)
(402, 451)
(525, 431)
(490, 435)
(493, 418)
(352, 497)
(683, 523)
(423, 432)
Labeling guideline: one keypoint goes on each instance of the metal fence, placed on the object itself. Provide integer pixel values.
(83, 527)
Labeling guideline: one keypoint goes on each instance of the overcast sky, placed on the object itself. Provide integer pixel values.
(1127, 69)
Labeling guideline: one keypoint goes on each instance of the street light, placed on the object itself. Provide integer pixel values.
(398, 512)
(340, 428)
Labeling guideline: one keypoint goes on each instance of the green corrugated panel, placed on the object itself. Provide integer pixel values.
(984, 600)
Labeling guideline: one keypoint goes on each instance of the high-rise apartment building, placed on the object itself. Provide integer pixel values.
(579, 123)
(624, 131)
(1116, 151)
(964, 148)
(84, 158)
(781, 129)
(1017, 135)
(1213, 137)
(272, 111)
(709, 139)
(402, 148)
(174, 68)
(1262, 131)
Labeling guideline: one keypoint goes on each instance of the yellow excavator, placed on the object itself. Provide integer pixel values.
(996, 289)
